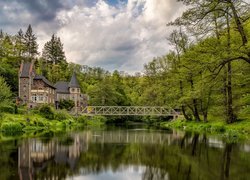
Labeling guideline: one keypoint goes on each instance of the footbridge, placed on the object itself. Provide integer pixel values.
(129, 111)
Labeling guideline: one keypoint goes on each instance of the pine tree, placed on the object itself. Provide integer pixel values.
(31, 46)
(20, 43)
(53, 51)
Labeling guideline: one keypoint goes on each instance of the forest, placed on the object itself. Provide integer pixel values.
(205, 75)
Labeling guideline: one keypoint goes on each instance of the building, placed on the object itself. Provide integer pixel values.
(36, 89)
(70, 90)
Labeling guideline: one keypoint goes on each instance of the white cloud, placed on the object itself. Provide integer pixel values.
(122, 37)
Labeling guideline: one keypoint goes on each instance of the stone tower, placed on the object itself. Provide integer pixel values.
(26, 76)
(74, 89)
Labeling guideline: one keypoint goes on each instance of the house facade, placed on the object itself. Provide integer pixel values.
(71, 90)
(36, 89)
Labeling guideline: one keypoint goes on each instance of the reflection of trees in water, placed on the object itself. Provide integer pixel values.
(225, 162)
(166, 156)
(152, 173)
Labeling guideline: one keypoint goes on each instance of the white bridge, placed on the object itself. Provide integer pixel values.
(129, 111)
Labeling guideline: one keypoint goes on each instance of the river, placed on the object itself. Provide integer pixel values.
(132, 154)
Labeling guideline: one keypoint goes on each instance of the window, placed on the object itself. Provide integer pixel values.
(40, 98)
(73, 90)
(78, 90)
(34, 98)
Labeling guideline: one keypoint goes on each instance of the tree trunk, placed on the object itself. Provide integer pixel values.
(230, 114)
(195, 104)
(238, 23)
(182, 106)
(226, 159)
(225, 92)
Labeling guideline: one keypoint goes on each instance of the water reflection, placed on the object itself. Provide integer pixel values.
(125, 154)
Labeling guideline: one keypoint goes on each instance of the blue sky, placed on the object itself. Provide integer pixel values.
(113, 34)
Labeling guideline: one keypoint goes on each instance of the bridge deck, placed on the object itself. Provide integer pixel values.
(129, 111)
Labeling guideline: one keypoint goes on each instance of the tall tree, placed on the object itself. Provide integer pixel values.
(20, 44)
(5, 93)
(31, 46)
(53, 51)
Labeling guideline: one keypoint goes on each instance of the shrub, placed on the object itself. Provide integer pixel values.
(11, 127)
(66, 104)
(97, 121)
(82, 119)
(61, 115)
(7, 109)
(47, 111)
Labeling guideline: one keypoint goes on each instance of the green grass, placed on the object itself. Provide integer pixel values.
(34, 125)
(231, 132)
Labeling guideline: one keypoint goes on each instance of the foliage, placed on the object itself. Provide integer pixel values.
(82, 119)
(11, 127)
(61, 115)
(96, 121)
(47, 111)
(7, 109)
(66, 104)
(53, 51)
(5, 95)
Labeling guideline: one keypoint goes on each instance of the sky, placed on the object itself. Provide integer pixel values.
(112, 34)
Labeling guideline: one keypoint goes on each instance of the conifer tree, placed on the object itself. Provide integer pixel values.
(20, 43)
(31, 46)
(53, 51)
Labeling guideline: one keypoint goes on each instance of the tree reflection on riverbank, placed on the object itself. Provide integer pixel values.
(125, 154)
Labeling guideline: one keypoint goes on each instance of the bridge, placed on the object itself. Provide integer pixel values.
(129, 111)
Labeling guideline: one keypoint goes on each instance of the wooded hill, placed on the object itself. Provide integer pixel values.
(206, 75)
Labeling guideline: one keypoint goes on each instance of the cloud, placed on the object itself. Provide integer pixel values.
(113, 34)
(123, 37)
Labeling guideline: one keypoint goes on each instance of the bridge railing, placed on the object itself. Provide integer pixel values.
(129, 110)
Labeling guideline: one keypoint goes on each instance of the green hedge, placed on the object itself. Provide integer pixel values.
(7, 109)
(47, 111)
(11, 127)
(61, 115)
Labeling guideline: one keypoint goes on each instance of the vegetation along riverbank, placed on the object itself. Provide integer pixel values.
(205, 74)
(232, 132)
(44, 120)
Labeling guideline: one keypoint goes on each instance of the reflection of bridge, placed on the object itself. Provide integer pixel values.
(131, 136)
(129, 111)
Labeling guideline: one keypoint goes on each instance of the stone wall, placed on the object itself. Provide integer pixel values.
(24, 89)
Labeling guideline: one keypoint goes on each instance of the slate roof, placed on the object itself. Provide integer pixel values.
(25, 70)
(46, 81)
(62, 87)
(74, 82)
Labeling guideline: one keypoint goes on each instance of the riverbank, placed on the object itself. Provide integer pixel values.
(34, 125)
(231, 132)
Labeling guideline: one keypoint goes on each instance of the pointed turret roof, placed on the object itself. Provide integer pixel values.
(74, 82)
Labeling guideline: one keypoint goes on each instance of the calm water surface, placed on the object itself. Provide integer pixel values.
(124, 154)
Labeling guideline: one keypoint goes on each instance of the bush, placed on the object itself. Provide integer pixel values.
(11, 127)
(61, 115)
(66, 104)
(7, 109)
(97, 121)
(82, 119)
(47, 111)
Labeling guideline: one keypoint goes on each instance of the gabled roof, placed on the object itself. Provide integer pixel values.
(62, 87)
(46, 81)
(25, 69)
(74, 82)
